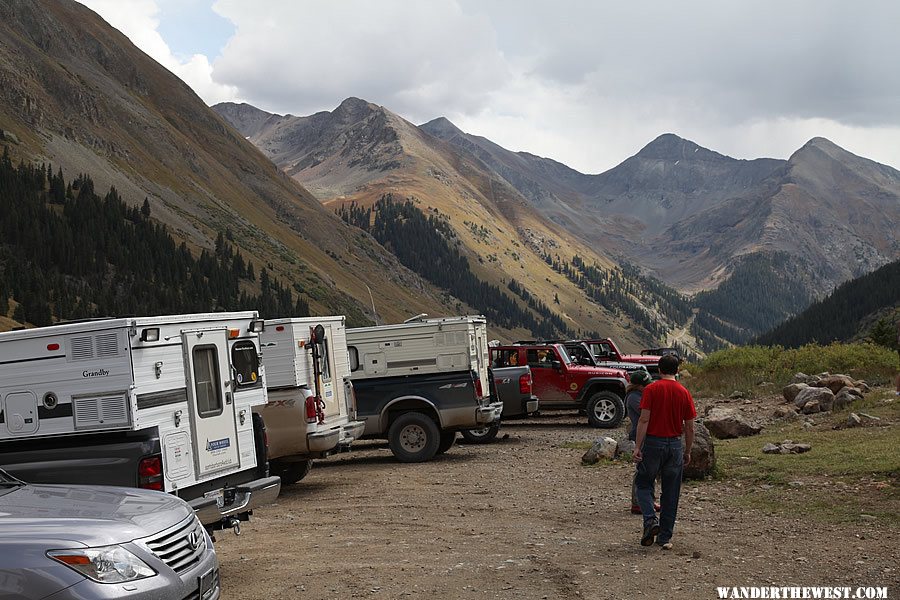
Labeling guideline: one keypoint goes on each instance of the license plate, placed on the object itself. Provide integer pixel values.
(219, 495)
(207, 584)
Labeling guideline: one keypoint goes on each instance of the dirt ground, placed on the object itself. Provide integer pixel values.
(521, 518)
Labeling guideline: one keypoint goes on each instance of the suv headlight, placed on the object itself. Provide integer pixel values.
(106, 564)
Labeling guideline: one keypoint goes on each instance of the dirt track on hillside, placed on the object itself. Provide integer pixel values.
(521, 518)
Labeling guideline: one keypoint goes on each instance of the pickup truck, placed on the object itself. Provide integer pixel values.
(514, 387)
(420, 414)
(604, 349)
(562, 384)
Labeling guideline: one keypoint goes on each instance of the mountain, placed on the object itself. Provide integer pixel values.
(77, 95)
(359, 153)
(852, 310)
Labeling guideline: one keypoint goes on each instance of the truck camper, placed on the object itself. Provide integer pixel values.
(163, 403)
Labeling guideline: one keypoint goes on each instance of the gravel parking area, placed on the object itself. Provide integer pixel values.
(521, 518)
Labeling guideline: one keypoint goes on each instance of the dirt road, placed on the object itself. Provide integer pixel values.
(521, 518)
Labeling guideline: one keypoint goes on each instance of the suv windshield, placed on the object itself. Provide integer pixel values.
(564, 354)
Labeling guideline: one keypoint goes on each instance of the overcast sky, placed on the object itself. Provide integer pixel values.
(587, 83)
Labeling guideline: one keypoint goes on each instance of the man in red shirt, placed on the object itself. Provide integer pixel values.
(667, 410)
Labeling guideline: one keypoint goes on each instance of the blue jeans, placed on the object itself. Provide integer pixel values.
(662, 457)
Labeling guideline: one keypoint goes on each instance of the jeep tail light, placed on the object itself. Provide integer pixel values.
(150, 473)
(479, 391)
(525, 383)
(311, 413)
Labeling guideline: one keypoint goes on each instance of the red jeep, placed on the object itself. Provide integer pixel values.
(561, 384)
(605, 349)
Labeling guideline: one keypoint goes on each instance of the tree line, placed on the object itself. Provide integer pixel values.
(67, 253)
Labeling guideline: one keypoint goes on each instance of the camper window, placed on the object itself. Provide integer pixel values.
(245, 362)
(206, 377)
(354, 358)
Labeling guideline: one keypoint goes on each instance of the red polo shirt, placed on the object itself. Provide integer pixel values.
(670, 405)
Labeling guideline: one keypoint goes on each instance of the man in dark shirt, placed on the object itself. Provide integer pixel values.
(667, 410)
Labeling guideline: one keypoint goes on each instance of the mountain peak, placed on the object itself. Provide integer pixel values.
(669, 146)
(355, 109)
(441, 128)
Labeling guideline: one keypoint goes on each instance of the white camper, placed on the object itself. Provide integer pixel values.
(311, 411)
(420, 346)
(81, 392)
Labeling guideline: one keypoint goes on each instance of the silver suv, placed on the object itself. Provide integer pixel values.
(66, 542)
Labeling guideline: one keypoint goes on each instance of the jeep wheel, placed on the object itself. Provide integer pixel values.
(482, 435)
(414, 437)
(291, 472)
(605, 410)
(448, 438)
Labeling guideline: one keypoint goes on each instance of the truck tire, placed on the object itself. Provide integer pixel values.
(448, 438)
(261, 444)
(414, 437)
(605, 410)
(482, 435)
(291, 472)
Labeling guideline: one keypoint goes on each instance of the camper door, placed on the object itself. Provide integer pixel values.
(324, 351)
(211, 400)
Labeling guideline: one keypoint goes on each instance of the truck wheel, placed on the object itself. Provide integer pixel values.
(448, 438)
(291, 472)
(605, 410)
(414, 437)
(482, 435)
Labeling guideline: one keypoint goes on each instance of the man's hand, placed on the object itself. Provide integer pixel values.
(687, 457)
(636, 456)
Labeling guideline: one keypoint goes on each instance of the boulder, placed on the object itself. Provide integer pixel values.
(821, 394)
(845, 398)
(853, 420)
(624, 446)
(800, 378)
(835, 383)
(811, 407)
(736, 395)
(786, 447)
(726, 423)
(703, 454)
(790, 391)
(603, 448)
(786, 412)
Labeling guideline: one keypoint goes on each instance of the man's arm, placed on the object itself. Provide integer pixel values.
(688, 440)
(642, 433)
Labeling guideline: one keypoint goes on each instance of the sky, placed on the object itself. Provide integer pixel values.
(584, 82)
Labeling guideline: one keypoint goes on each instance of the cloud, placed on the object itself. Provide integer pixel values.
(414, 57)
(139, 21)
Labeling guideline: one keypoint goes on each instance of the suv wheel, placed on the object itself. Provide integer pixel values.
(483, 435)
(605, 410)
(291, 472)
(448, 438)
(414, 437)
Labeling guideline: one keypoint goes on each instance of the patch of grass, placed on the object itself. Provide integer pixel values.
(743, 368)
(849, 475)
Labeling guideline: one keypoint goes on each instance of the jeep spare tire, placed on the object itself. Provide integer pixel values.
(414, 437)
(605, 410)
(482, 435)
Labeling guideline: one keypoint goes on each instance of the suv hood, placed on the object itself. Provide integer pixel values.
(644, 359)
(590, 371)
(88, 515)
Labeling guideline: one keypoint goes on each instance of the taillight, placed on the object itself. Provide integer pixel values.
(525, 383)
(150, 473)
(311, 413)
(479, 391)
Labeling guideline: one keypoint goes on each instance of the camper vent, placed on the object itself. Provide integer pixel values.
(450, 338)
(82, 348)
(103, 411)
(107, 344)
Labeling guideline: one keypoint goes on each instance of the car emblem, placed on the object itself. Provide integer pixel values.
(194, 539)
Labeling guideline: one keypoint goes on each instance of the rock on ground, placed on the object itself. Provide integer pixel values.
(604, 447)
(822, 395)
(703, 454)
(725, 423)
(790, 391)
